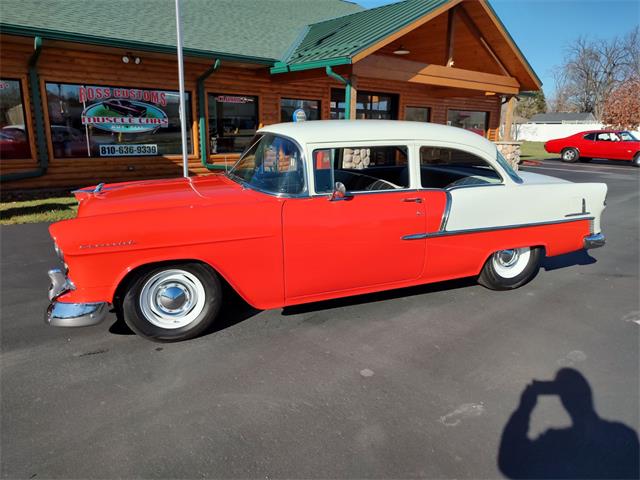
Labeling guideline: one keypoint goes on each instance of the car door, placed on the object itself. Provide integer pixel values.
(586, 145)
(604, 146)
(359, 241)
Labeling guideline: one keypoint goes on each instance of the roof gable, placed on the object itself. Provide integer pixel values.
(347, 35)
(247, 28)
(352, 37)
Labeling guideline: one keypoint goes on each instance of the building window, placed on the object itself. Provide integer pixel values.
(288, 106)
(417, 114)
(369, 105)
(233, 121)
(14, 142)
(476, 122)
(106, 121)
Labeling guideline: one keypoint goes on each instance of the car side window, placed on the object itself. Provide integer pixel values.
(590, 136)
(603, 137)
(361, 169)
(442, 167)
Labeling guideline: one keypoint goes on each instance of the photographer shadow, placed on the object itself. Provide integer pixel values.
(590, 448)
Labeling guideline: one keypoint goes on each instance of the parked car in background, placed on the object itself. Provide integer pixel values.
(607, 144)
(14, 142)
(314, 211)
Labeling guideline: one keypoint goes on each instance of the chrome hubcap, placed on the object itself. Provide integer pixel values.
(507, 258)
(172, 298)
(511, 262)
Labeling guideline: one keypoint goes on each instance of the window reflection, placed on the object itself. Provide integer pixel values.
(476, 122)
(288, 106)
(14, 142)
(107, 121)
(233, 121)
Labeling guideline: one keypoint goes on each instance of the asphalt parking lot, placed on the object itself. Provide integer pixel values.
(420, 382)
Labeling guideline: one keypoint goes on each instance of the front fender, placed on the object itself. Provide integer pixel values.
(243, 245)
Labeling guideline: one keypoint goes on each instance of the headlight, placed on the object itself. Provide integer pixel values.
(58, 251)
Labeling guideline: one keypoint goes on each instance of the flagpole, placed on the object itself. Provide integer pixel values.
(183, 114)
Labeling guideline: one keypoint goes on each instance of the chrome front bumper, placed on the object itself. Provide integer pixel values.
(594, 240)
(61, 314)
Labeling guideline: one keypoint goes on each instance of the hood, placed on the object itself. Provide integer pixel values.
(156, 194)
(536, 178)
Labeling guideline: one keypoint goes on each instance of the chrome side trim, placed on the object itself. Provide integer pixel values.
(458, 187)
(60, 314)
(577, 214)
(447, 211)
(583, 212)
(595, 240)
(416, 236)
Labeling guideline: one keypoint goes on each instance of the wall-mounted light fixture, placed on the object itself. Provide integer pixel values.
(401, 51)
(128, 57)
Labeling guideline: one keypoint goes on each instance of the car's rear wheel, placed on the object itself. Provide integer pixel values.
(569, 155)
(511, 268)
(636, 160)
(173, 302)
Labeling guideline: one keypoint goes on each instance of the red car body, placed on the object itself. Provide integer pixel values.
(607, 144)
(281, 228)
(270, 249)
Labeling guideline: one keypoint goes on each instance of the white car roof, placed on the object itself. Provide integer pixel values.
(326, 131)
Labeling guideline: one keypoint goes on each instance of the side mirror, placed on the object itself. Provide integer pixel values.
(339, 192)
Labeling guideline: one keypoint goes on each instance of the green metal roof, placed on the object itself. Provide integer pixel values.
(336, 40)
(250, 30)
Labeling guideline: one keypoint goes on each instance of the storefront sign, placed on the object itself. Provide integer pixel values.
(299, 115)
(233, 99)
(127, 150)
(91, 94)
(124, 116)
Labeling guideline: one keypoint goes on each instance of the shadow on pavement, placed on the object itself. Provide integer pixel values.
(590, 448)
(581, 257)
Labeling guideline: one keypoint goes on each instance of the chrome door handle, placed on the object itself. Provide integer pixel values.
(413, 199)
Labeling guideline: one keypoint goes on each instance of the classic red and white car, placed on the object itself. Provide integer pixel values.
(314, 211)
(607, 144)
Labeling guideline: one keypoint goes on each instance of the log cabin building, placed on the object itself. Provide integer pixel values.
(89, 90)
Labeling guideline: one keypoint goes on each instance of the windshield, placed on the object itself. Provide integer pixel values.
(628, 137)
(272, 164)
(510, 171)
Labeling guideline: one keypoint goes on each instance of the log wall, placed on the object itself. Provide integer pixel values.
(67, 63)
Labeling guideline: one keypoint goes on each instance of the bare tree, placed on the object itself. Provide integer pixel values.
(592, 69)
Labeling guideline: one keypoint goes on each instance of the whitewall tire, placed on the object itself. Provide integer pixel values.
(172, 303)
(510, 268)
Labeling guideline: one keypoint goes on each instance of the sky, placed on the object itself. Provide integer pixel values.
(543, 28)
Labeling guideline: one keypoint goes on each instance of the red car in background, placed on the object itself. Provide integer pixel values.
(608, 144)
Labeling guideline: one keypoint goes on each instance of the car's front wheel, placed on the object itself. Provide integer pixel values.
(570, 155)
(511, 268)
(173, 302)
(636, 160)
